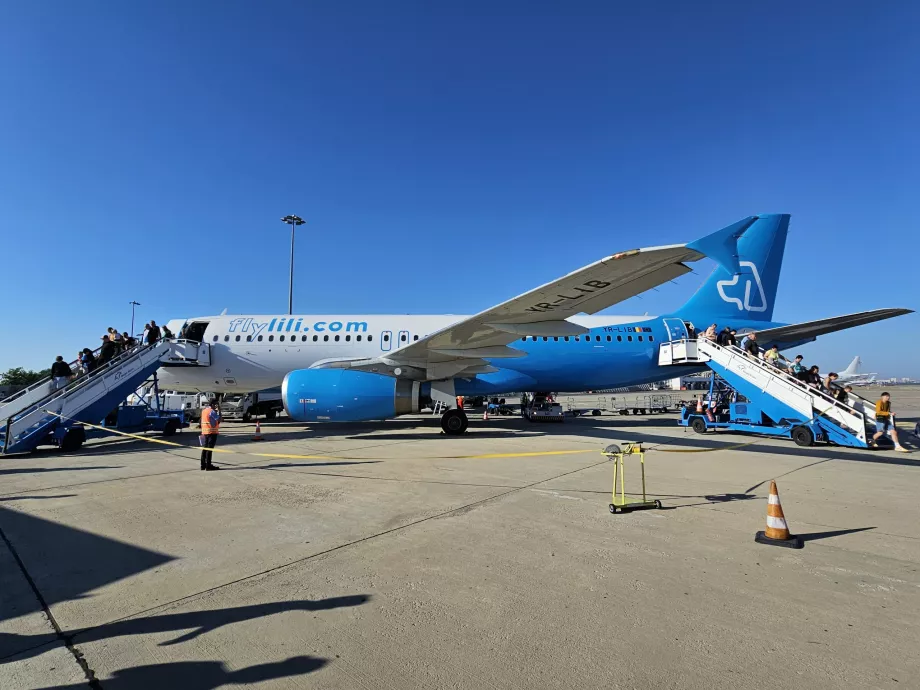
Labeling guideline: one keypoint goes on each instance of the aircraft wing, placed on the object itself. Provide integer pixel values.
(809, 330)
(462, 348)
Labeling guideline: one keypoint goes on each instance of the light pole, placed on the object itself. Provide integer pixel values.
(133, 304)
(292, 221)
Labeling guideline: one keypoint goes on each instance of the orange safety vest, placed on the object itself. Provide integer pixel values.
(206, 427)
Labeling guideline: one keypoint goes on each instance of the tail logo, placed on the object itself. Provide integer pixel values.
(753, 278)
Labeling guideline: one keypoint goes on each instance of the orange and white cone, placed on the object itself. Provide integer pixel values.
(258, 434)
(699, 405)
(485, 414)
(777, 532)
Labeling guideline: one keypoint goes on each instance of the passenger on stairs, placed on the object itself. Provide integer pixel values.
(130, 343)
(108, 350)
(829, 384)
(798, 369)
(167, 334)
(725, 337)
(152, 333)
(89, 360)
(772, 356)
(884, 423)
(843, 395)
(749, 345)
(814, 377)
(79, 368)
(61, 372)
(711, 333)
(116, 338)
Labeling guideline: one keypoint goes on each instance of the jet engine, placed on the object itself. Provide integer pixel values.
(342, 395)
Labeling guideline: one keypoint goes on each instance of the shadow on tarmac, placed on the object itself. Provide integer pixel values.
(39, 470)
(201, 675)
(812, 536)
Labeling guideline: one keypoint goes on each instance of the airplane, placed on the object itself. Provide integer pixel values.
(373, 367)
(853, 377)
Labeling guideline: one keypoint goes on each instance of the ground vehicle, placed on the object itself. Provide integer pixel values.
(542, 410)
(245, 406)
(189, 404)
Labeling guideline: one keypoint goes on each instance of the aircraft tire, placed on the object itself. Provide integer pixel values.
(454, 422)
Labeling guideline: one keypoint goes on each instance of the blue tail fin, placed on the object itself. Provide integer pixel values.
(750, 294)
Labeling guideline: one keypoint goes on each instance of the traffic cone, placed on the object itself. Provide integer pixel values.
(485, 414)
(777, 532)
(258, 434)
(699, 405)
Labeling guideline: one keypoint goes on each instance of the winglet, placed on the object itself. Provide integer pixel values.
(722, 245)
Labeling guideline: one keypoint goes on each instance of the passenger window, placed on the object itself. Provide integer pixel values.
(281, 338)
(386, 338)
(403, 338)
(576, 338)
(325, 338)
(619, 338)
(544, 338)
(347, 338)
(271, 338)
(556, 338)
(370, 338)
(651, 338)
(248, 338)
(237, 338)
(415, 337)
(358, 338)
(609, 338)
(226, 338)
(565, 338)
(303, 339)
(629, 338)
(336, 338)
(215, 338)
(315, 338)
(640, 338)
(524, 339)
(260, 338)
(597, 338)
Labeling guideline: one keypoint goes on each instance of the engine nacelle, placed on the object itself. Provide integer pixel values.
(341, 395)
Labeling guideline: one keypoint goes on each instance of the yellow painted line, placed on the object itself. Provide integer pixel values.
(517, 455)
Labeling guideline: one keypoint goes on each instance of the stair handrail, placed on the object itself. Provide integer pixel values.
(790, 378)
(32, 386)
(81, 381)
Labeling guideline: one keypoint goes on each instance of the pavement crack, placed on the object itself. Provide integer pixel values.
(91, 679)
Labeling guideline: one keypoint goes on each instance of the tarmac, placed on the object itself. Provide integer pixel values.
(388, 555)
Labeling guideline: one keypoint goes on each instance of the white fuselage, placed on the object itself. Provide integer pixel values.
(254, 352)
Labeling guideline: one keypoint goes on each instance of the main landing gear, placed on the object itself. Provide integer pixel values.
(454, 422)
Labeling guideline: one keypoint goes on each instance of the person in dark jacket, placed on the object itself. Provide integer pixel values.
(89, 360)
(61, 372)
(108, 350)
(153, 332)
(725, 337)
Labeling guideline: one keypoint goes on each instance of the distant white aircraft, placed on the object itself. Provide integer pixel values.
(853, 377)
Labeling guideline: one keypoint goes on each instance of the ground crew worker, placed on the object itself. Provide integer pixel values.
(210, 423)
(884, 423)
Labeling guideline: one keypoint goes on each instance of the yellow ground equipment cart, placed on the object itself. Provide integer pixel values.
(618, 452)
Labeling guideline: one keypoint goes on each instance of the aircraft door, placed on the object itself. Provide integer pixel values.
(195, 331)
(386, 341)
(676, 329)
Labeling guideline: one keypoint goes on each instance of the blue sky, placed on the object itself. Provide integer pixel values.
(447, 156)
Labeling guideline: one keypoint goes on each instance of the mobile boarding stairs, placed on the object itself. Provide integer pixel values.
(788, 406)
(42, 413)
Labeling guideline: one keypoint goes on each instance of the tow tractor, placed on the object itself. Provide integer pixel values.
(541, 409)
